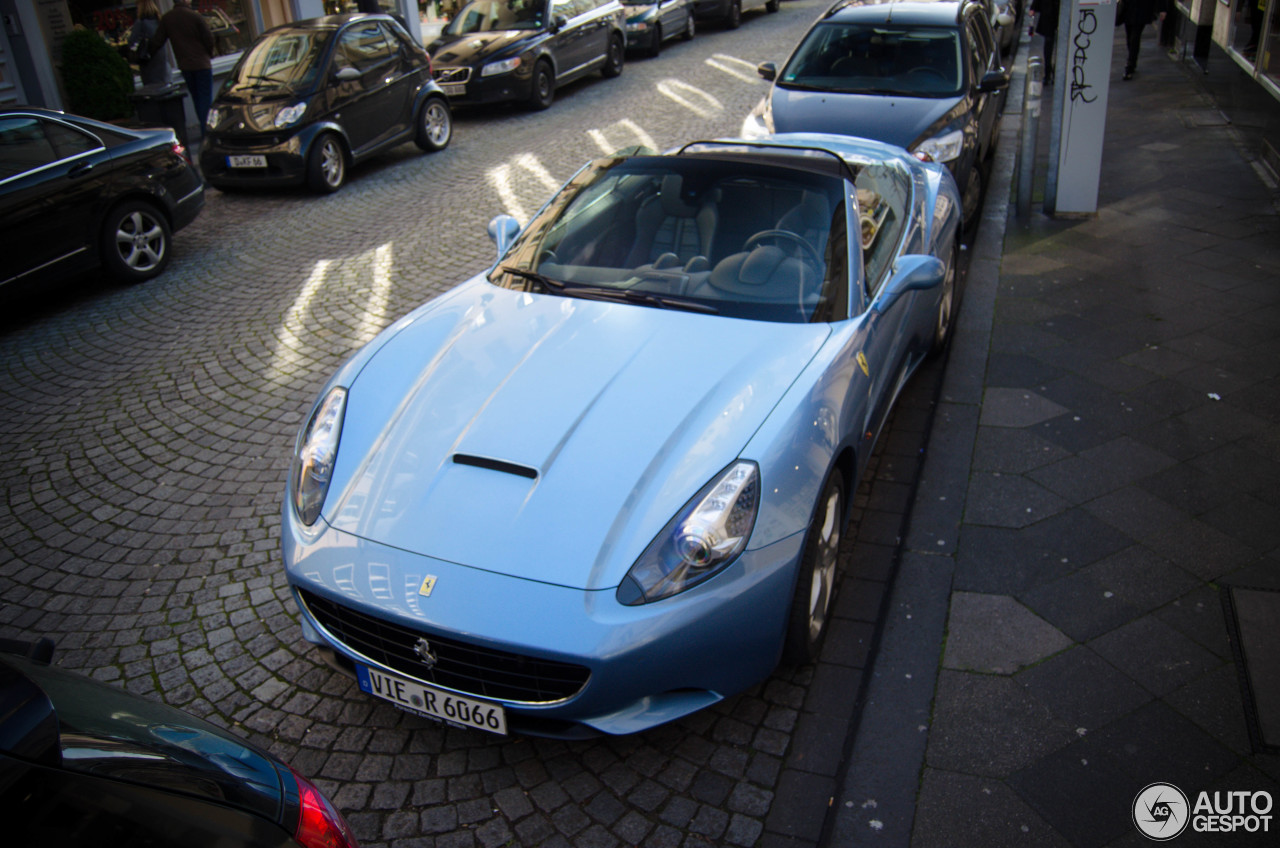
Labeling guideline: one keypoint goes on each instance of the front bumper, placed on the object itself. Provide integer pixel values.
(499, 88)
(645, 665)
(286, 161)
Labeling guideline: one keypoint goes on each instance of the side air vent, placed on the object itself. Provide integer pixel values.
(495, 465)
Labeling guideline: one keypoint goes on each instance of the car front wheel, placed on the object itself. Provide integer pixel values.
(135, 241)
(543, 90)
(815, 587)
(733, 18)
(326, 164)
(690, 28)
(947, 304)
(435, 125)
(655, 46)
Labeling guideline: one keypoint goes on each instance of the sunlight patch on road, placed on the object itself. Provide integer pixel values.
(512, 183)
(287, 351)
(734, 67)
(690, 97)
(632, 135)
(374, 317)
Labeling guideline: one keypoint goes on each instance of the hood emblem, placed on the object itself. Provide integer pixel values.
(422, 648)
(428, 584)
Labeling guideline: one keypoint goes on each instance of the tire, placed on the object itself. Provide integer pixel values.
(435, 125)
(136, 241)
(613, 62)
(326, 164)
(773, 6)
(947, 305)
(971, 199)
(815, 586)
(690, 28)
(655, 46)
(543, 91)
(733, 18)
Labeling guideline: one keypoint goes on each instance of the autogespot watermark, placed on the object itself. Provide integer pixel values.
(1161, 811)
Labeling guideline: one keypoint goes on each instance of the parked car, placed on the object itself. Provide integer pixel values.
(87, 765)
(921, 75)
(496, 51)
(729, 12)
(602, 484)
(310, 99)
(76, 194)
(650, 22)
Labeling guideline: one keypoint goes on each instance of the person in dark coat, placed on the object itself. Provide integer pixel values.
(188, 33)
(1136, 15)
(1046, 12)
(153, 65)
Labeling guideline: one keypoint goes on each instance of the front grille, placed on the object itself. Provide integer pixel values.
(443, 75)
(250, 142)
(462, 667)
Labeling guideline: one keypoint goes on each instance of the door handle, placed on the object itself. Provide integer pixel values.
(80, 170)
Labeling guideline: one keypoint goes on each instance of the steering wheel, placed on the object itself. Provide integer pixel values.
(807, 249)
(785, 235)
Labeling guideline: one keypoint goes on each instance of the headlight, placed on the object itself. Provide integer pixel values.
(758, 124)
(506, 66)
(700, 541)
(213, 117)
(315, 455)
(290, 115)
(943, 148)
(638, 26)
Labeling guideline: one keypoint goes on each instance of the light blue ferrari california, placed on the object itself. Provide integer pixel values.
(602, 484)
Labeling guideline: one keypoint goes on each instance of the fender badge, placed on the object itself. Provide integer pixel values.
(428, 583)
(862, 363)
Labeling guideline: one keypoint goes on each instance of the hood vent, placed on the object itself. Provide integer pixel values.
(495, 465)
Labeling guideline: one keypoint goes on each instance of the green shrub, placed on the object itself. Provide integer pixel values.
(97, 79)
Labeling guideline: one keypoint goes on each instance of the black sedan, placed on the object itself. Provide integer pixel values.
(87, 765)
(310, 99)
(76, 194)
(925, 76)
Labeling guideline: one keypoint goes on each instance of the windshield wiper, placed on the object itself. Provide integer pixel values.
(589, 292)
(548, 284)
(664, 302)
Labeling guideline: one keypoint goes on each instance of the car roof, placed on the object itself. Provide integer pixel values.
(925, 12)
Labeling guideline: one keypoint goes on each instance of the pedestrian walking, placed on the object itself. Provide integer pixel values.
(188, 33)
(1136, 15)
(1046, 12)
(153, 65)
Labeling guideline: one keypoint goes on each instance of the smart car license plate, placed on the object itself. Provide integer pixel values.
(454, 89)
(432, 702)
(246, 161)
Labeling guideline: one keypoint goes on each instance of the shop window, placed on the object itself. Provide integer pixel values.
(228, 19)
(1246, 27)
(1269, 46)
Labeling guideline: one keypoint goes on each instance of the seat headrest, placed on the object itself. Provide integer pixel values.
(672, 204)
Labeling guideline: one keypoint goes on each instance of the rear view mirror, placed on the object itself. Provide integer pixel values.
(768, 70)
(347, 74)
(503, 230)
(994, 80)
(914, 272)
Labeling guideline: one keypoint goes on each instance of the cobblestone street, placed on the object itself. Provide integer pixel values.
(148, 434)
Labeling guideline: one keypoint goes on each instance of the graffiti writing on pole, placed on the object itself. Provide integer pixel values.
(1087, 26)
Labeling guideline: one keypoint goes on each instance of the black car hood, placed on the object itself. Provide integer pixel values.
(477, 46)
(880, 117)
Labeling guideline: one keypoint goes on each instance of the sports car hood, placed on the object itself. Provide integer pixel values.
(896, 120)
(475, 46)
(550, 438)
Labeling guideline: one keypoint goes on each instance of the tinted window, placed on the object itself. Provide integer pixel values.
(23, 146)
(492, 15)
(362, 46)
(877, 59)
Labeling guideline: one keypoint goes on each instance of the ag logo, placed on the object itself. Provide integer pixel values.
(1161, 812)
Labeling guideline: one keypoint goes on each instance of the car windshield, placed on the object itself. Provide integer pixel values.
(497, 15)
(890, 59)
(287, 59)
(747, 237)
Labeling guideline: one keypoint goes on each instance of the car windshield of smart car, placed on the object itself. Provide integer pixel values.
(497, 15)
(888, 59)
(287, 59)
(738, 237)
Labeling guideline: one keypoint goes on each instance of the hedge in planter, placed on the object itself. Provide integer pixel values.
(97, 79)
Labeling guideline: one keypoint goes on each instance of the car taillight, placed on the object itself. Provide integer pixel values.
(181, 151)
(319, 824)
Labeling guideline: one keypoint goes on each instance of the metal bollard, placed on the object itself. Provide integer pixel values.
(1030, 128)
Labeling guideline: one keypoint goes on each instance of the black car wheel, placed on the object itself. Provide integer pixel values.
(655, 46)
(435, 125)
(971, 198)
(543, 90)
(815, 587)
(326, 164)
(690, 29)
(613, 63)
(733, 18)
(773, 6)
(947, 304)
(135, 241)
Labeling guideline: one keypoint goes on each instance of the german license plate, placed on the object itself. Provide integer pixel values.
(431, 702)
(246, 161)
(454, 89)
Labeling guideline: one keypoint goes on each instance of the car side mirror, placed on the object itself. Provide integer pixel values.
(347, 74)
(913, 272)
(994, 80)
(558, 23)
(768, 70)
(503, 230)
